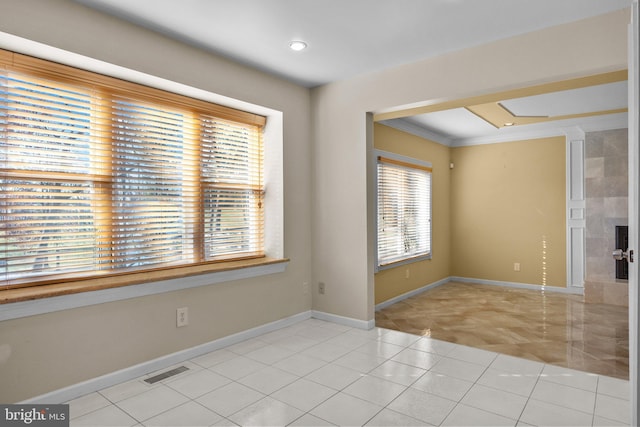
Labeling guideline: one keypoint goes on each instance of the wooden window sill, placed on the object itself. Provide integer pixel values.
(21, 295)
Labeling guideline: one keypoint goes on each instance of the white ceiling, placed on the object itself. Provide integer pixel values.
(351, 37)
(603, 97)
(460, 126)
(345, 37)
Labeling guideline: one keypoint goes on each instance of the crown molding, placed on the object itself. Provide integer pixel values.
(517, 133)
(413, 129)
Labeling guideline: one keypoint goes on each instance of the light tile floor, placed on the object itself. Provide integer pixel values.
(318, 373)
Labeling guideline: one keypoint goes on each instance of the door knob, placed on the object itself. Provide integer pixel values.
(620, 255)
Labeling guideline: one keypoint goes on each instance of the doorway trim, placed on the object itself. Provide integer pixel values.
(634, 211)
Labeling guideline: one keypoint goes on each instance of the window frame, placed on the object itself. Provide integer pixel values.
(408, 162)
(70, 294)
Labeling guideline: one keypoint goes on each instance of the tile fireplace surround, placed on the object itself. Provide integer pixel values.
(606, 176)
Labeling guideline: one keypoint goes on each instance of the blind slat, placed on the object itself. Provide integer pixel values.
(98, 174)
(404, 210)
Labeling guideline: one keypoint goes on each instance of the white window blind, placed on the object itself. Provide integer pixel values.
(231, 156)
(403, 211)
(100, 176)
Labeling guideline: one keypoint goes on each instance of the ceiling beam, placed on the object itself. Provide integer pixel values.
(577, 83)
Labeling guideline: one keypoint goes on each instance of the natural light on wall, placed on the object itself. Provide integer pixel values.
(101, 175)
(182, 184)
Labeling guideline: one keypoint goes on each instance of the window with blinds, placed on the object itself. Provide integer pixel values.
(100, 176)
(403, 211)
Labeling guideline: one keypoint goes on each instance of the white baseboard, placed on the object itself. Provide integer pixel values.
(409, 294)
(567, 290)
(80, 389)
(341, 320)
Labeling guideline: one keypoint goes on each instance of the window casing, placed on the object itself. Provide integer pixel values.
(403, 210)
(101, 176)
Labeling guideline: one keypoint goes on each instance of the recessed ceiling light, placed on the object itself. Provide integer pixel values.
(509, 124)
(297, 45)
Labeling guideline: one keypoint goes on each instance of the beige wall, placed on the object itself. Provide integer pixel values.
(343, 209)
(393, 282)
(46, 352)
(508, 204)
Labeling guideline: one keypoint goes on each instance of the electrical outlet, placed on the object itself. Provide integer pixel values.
(182, 317)
(407, 274)
(305, 288)
(321, 288)
(516, 266)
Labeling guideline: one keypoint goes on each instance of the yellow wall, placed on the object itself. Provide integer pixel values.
(508, 204)
(501, 204)
(393, 282)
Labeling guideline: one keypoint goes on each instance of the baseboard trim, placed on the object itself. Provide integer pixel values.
(409, 294)
(127, 374)
(80, 389)
(556, 289)
(341, 320)
(567, 290)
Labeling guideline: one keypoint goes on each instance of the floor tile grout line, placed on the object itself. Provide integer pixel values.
(554, 404)
(165, 383)
(350, 350)
(94, 410)
(309, 411)
(242, 408)
(400, 413)
(209, 409)
(410, 386)
(312, 415)
(406, 387)
(595, 401)
(459, 402)
(531, 394)
(374, 415)
(173, 408)
(162, 383)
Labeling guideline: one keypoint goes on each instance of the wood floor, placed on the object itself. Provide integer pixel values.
(549, 327)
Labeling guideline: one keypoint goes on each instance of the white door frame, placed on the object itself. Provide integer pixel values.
(634, 215)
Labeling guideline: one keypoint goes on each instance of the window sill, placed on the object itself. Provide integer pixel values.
(402, 262)
(24, 302)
